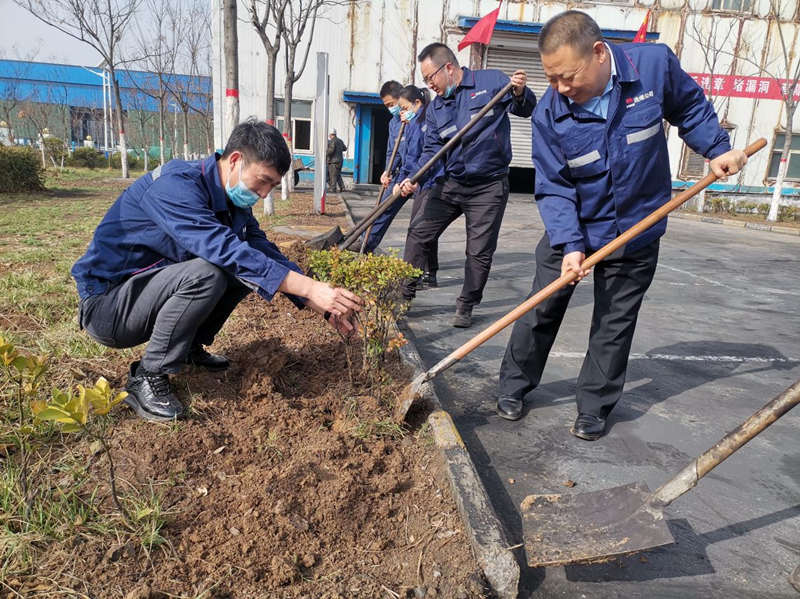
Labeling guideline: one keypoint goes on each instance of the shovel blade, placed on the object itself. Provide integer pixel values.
(326, 240)
(592, 526)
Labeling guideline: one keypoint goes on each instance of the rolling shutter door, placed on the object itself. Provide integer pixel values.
(509, 52)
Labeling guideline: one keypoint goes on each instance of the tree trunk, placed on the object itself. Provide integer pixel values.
(775, 204)
(186, 134)
(231, 66)
(288, 90)
(269, 204)
(272, 60)
(701, 197)
(123, 146)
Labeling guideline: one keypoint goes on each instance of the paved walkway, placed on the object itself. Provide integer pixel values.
(718, 336)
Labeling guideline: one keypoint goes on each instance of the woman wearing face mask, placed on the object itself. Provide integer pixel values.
(413, 103)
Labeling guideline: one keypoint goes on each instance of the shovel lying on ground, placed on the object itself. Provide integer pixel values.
(336, 237)
(383, 191)
(597, 525)
(414, 389)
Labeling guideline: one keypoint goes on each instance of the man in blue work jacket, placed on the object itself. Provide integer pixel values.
(602, 166)
(176, 253)
(475, 181)
(390, 94)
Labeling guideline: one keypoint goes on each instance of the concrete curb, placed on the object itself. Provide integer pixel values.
(736, 223)
(483, 528)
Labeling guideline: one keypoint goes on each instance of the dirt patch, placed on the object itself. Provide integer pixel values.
(284, 482)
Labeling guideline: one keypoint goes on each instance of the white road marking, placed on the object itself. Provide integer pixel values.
(676, 358)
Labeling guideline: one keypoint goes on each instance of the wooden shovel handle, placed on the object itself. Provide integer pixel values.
(596, 257)
(384, 206)
(385, 187)
(687, 478)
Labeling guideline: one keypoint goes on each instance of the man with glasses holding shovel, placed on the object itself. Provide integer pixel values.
(601, 166)
(475, 180)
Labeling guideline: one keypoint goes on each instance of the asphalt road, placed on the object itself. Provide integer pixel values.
(718, 337)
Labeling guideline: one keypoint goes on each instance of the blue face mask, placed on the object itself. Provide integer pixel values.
(395, 110)
(241, 195)
(410, 115)
(450, 90)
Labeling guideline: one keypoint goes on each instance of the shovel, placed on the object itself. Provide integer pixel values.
(383, 191)
(598, 525)
(335, 235)
(414, 390)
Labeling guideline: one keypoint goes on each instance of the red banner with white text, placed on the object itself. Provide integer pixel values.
(738, 86)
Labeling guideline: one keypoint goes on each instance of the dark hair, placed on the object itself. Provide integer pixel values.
(439, 54)
(571, 28)
(391, 88)
(259, 142)
(412, 93)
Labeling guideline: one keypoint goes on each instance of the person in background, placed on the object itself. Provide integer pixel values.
(475, 180)
(178, 251)
(413, 104)
(335, 155)
(390, 94)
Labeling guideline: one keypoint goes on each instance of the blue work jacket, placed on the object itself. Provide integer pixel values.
(394, 130)
(485, 151)
(595, 177)
(414, 146)
(183, 214)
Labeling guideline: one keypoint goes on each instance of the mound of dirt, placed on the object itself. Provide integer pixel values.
(284, 483)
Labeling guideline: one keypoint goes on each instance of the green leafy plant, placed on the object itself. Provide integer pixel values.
(85, 411)
(20, 170)
(55, 149)
(87, 158)
(377, 280)
(789, 214)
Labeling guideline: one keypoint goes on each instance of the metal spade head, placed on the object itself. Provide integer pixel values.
(327, 240)
(591, 526)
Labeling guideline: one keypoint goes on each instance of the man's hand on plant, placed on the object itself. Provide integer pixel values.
(345, 326)
(335, 300)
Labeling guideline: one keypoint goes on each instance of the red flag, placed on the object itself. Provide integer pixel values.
(483, 30)
(641, 35)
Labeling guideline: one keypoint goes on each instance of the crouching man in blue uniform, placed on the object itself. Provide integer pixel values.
(176, 253)
(475, 181)
(601, 166)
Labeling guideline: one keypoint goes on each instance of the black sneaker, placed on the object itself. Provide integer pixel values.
(201, 358)
(150, 395)
(463, 318)
(430, 280)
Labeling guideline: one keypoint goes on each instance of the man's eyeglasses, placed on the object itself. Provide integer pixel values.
(429, 79)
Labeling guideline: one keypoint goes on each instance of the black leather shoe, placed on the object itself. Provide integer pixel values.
(463, 318)
(794, 578)
(430, 280)
(150, 395)
(211, 362)
(509, 407)
(588, 427)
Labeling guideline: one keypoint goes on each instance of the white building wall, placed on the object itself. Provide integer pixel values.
(379, 39)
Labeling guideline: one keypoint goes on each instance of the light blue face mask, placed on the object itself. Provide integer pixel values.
(395, 110)
(450, 90)
(241, 195)
(411, 114)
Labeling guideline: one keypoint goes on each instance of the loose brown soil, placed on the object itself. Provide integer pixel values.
(283, 481)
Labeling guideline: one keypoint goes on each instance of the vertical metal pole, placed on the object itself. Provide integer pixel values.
(321, 126)
(105, 115)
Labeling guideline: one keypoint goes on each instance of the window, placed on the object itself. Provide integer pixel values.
(731, 5)
(692, 162)
(794, 157)
(302, 140)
